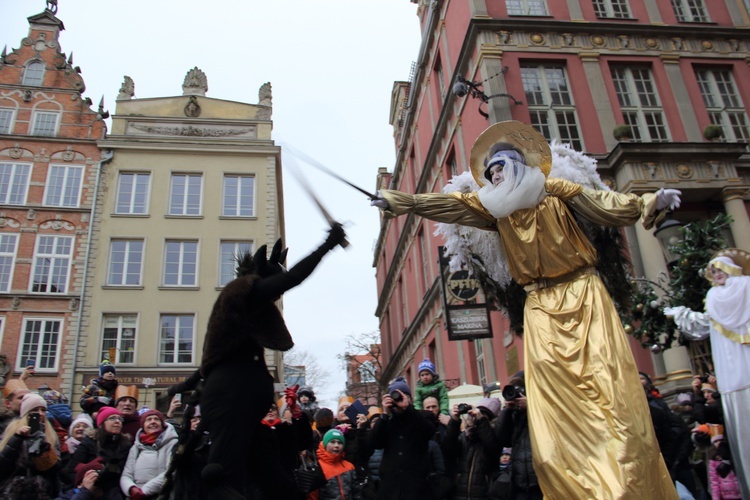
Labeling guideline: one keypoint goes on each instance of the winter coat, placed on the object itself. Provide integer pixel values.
(16, 461)
(187, 480)
(475, 453)
(723, 488)
(436, 389)
(512, 430)
(99, 388)
(405, 465)
(131, 426)
(342, 477)
(111, 450)
(147, 464)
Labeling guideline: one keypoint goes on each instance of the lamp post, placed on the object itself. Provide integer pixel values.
(147, 382)
(462, 87)
(669, 234)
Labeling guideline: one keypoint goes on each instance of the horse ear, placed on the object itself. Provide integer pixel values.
(276, 253)
(261, 262)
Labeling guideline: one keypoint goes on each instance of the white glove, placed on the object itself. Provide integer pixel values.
(104, 400)
(668, 198)
(673, 312)
(380, 202)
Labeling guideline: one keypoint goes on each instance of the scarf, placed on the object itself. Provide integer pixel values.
(271, 424)
(522, 187)
(150, 438)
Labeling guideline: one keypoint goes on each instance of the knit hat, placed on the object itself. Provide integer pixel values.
(105, 413)
(12, 386)
(106, 367)
(53, 397)
(506, 451)
(400, 385)
(491, 404)
(333, 434)
(83, 418)
(703, 428)
(323, 418)
(708, 387)
(718, 437)
(372, 411)
(82, 468)
(684, 399)
(153, 412)
(426, 365)
(306, 390)
(345, 400)
(126, 391)
(31, 401)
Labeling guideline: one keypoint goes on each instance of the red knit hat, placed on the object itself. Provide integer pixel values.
(105, 413)
(153, 412)
(82, 468)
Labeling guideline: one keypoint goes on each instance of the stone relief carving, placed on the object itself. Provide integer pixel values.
(12, 223)
(73, 304)
(57, 225)
(31, 215)
(263, 114)
(684, 171)
(15, 303)
(127, 89)
(193, 109)
(15, 153)
(264, 94)
(195, 83)
(192, 131)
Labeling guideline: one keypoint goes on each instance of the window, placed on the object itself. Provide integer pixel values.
(185, 195)
(33, 74)
(640, 105)
(119, 333)
(690, 11)
(52, 264)
(612, 8)
(176, 334)
(239, 196)
(439, 76)
(367, 372)
(228, 253)
(6, 120)
(181, 263)
(723, 102)
(40, 344)
(45, 123)
(526, 7)
(14, 183)
(425, 260)
(481, 368)
(8, 247)
(550, 103)
(63, 186)
(125, 262)
(132, 193)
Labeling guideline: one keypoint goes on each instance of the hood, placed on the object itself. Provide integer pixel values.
(167, 435)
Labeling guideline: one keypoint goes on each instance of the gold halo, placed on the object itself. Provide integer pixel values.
(739, 256)
(526, 138)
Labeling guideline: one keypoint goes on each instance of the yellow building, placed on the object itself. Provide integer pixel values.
(190, 182)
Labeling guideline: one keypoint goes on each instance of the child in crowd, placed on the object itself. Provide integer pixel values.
(101, 392)
(307, 402)
(724, 483)
(341, 475)
(429, 384)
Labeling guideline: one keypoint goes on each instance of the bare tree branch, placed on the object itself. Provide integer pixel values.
(315, 375)
(362, 361)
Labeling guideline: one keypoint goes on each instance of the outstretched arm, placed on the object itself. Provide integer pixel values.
(454, 208)
(695, 325)
(274, 286)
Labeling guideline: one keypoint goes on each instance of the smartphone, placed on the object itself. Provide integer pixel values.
(34, 422)
(178, 398)
(355, 409)
(30, 363)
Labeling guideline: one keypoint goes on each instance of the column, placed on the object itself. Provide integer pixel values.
(734, 205)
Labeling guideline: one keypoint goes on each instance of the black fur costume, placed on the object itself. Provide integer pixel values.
(237, 389)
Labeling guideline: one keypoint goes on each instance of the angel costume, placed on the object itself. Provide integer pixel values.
(727, 322)
(591, 431)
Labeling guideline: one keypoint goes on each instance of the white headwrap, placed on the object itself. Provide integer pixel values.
(522, 187)
(730, 304)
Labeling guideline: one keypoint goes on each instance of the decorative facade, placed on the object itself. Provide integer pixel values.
(636, 84)
(49, 163)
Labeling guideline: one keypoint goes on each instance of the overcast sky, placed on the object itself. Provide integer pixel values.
(332, 64)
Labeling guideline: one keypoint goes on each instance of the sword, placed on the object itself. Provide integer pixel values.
(308, 189)
(312, 162)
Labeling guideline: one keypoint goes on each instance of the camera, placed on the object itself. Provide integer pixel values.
(397, 397)
(704, 379)
(511, 392)
(463, 408)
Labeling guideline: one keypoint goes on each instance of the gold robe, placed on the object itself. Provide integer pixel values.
(591, 430)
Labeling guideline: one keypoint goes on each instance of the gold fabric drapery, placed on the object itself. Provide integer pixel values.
(591, 430)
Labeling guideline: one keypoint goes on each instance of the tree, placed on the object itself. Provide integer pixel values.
(315, 376)
(362, 361)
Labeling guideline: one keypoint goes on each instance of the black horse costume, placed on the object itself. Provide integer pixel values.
(234, 386)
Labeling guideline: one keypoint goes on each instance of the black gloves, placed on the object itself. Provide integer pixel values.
(336, 236)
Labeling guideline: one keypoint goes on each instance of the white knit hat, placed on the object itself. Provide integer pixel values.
(31, 401)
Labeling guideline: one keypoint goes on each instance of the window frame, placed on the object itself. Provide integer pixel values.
(10, 122)
(4, 198)
(608, 8)
(38, 80)
(175, 349)
(684, 11)
(237, 208)
(6, 286)
(725, 114)
(120, 337)
(35, 123)
(22, 354)
(221, 274)
(180, 263)
(54, 257)
(127, 261)
(636, 114)
(527, 6)
(369, 369)
(185, 206)
(133, 194)
(548, 108)
(65, 187)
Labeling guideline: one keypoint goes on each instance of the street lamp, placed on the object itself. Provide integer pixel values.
(462, 87)
(669, 234)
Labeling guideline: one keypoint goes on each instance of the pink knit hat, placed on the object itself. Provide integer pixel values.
(105, 413)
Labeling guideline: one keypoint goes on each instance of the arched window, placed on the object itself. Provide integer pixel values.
(33, 74)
